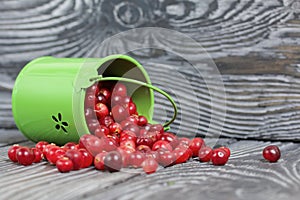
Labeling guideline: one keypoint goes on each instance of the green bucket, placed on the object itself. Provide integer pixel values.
(49, 94)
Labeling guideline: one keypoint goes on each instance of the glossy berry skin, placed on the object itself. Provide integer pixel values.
(25, 156)
(76, 157)
(142, 120)
(271, 153)
(196, 145)
(115, 128)
(128, 135)
(47, 148)
(143, 148)
(131, 108)
(166, 158)
(99, 160)
(104, 92)
(41, 145)
(136, 159)
(161, 145)
(150, 165)
(205, 154)
(64, 165)
(227, 150)
(106, 121)
(93, 124)
(113, 161)
(11, 153)
(87, 158)
(101, 99)
(182, 154)
(101, 110)
(219, 157)
(101, 131)
(38, 155)
(171, 138)
(70, 145)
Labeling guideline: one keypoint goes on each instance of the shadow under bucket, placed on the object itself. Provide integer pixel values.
(48, 99)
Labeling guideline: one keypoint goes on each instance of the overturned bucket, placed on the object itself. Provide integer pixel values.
(48, 99)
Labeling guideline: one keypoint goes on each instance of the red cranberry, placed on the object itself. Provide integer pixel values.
(38, 155)
(91, 143)
(64, 164)
(142, 120)
(271, 153)
(205, 154)
(157, 127)
(47, 148)
(152, 154)
(127, 135)
(143, 148)
(185, 141)
(105, 92)
(128, 143)
(76, 157)
(89, 114)
(54, 154)
(126, 100)
(115, 128)
(227, 150)
(101, 99)
(120, 90)
(106, 121)
(99, 160)
(113, 161)
(70, 145)
(196, 145)
(136, 159)
(115, 138)
(171, 138)
(25, 156)
(41, 145)
(182, 154)
(219, 157)
(161, 145)
(119, 113)
(150, 165)
(101, 131)
(131, 108)
(144, 140)
(12, 152)
(87, 158)
(133, 119)
(101, 110)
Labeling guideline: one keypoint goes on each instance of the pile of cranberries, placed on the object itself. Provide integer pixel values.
(121, 138)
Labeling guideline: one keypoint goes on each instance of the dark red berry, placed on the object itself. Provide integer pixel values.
(143, 148)
(227, 150)
(113, 161)
(104, 92)
(87, 158)
(271, 153)
(150, 165)
(108, 144)
(38, 155)
(131, 108)
(128, 144)
(115, 128)
(116, 100)
(47, 148)
(106, 121)
(76, 157)
(101, 110)
(25, 156)
(64, 164)
(219, 157)
(161, 145)
(12, 152)
(182, 154)
(70, 145)
(101, 99)
(171, 138)
(99, 160)
(133, 119)
(142, 120)
(205, 154)
(196, 145)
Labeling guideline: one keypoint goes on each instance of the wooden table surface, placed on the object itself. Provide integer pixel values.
(255, 45)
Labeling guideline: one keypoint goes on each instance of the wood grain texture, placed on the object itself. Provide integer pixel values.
(246, 176)
(254, 43)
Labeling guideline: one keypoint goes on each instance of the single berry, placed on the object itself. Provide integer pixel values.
(136, 159)
(182, 154)
(205, 154)
(101, 131)
(113, 161)
(120, 90)
(54, 154)
(105, 92)
(70, 145)
(219, 157)
(93, 124)
(119, 113)
(87, 158)
(142, 120)
(99, 160)
(227, 150)
(101, 110)
(143, 148)
(91, 143)
(64, 164)
(106, 121)
(150, 165)
(161, 145)
(25, 156)
(171, 138)
(12, 152)
(115, 128)
(166, 158)
(271, 153)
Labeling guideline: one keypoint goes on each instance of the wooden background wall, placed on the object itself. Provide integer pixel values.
(254, 43)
